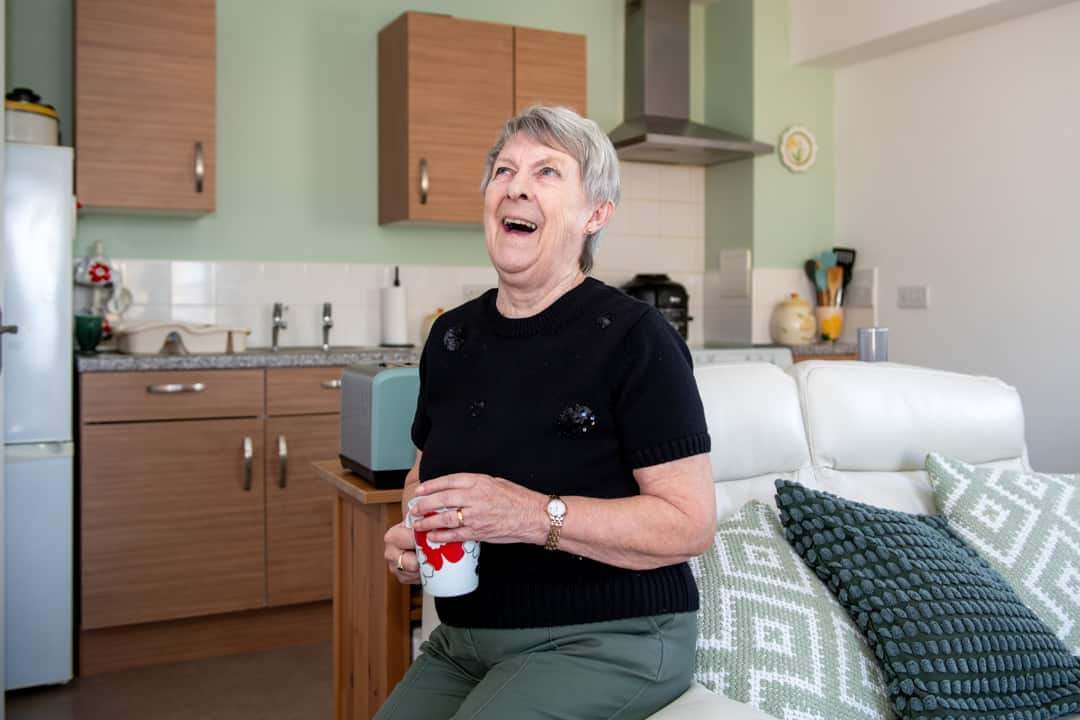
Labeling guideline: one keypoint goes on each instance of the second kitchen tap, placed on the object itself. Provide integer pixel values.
(279, 324)
(327, 323)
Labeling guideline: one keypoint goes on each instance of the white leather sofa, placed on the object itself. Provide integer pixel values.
(859, 430)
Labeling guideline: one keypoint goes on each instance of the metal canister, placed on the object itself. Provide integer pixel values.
(873, 344)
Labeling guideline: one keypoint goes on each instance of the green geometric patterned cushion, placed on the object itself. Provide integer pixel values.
(1027, 526)
(953, 638)
(771, 635)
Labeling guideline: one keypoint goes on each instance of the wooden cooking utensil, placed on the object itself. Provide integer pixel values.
(836, 281)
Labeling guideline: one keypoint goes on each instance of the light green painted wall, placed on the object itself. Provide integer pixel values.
(751, 88)
(296, 124)
(37, 50)
(793, 213)
(729, 104)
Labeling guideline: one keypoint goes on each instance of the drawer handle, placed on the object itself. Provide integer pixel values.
(283, 462)
(200, 168)
(425, 181)
(331, 384)
(249, 461)
(173, 388)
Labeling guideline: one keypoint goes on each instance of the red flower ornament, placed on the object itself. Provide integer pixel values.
(99, 272)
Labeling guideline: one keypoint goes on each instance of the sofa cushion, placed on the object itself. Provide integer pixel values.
(771, 635)
(1027, 526)
(871, 425)
(752, 411)
(952, 636)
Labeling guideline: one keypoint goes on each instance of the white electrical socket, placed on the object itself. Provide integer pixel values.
(862, 292)
(914, 297)
(859, 296)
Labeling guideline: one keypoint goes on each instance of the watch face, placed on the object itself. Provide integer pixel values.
(556, 507)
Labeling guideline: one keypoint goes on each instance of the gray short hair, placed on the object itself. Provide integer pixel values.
(581, 138)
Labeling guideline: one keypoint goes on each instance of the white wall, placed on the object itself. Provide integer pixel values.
(956, 167)
(839, 32)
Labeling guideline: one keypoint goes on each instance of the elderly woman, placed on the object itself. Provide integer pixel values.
(559, 421)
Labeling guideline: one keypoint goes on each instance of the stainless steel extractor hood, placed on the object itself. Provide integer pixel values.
(657, 126)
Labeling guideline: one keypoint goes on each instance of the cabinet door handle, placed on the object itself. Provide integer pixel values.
(249, 462)
(200, 167)
(425, 182)
(283, 462)
(173, 388)
(334, 384)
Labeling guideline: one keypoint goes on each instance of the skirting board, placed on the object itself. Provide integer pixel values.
(130, 646)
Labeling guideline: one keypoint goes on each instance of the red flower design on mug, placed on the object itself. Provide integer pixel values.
(438, 553)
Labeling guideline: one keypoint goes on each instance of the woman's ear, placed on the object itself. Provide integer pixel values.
(600, 217)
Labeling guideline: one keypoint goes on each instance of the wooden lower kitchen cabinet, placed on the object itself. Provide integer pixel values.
(299, 508)
(204, 530)
(171, 519)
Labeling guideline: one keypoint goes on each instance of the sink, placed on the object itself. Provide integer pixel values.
(304, 349)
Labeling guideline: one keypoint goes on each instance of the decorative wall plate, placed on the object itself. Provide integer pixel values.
(798, 149)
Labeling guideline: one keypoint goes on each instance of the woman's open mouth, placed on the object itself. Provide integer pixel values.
(518, 226)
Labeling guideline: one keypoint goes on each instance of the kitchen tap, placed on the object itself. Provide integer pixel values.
(279, 323)
(327, 323)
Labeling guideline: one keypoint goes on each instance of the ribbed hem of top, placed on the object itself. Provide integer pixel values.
(664, 590)
(547, 320)
(671, 450)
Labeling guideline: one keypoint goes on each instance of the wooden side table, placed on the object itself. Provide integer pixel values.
(371, 608)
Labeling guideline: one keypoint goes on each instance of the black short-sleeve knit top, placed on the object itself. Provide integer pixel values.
(566, 402)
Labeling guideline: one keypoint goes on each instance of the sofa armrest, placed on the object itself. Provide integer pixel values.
(698, 703)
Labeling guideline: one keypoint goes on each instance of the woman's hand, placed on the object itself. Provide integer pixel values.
(494, 510)
(400, 552)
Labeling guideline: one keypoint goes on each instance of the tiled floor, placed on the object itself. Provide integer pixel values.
(278, 685)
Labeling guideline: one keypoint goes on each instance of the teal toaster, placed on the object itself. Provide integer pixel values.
(377, 407)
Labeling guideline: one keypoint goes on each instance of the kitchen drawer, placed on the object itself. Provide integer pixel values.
(170, 395)
(303, 391)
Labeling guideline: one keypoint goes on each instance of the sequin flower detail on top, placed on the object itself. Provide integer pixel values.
(604, 321)
(576, 420)
(476, 408)
(454, 338)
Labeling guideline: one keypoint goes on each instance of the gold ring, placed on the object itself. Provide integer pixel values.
(460, 517)
(399, 565)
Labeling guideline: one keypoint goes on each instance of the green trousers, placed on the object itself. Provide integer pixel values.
(616, 670)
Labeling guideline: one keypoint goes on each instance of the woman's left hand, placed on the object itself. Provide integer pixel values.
(494, 510)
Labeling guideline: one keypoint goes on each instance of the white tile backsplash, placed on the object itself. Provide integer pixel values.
(192, 283)
(658, 228)
(150, 281)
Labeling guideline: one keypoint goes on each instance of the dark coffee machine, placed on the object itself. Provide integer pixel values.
(666, 295)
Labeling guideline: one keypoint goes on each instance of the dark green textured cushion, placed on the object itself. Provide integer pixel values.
(953, 638)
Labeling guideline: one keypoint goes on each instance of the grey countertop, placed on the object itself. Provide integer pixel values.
(254, 358)
(315, 357)
(821, 348)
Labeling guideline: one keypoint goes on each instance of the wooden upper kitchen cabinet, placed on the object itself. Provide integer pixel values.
(446, 86)
(172, 520)
(145, 104)
(549, 69)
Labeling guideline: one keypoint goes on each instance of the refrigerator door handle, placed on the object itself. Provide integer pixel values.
(5, 330)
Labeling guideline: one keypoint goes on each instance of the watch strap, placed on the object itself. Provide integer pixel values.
(555, 531)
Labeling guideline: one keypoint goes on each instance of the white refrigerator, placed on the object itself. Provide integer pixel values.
(39, 520)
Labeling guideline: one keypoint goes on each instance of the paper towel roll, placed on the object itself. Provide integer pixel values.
(394, 325)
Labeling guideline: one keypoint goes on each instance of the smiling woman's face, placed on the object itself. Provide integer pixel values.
(536, 214)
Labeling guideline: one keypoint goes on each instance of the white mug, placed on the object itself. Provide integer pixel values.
(446, 569)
